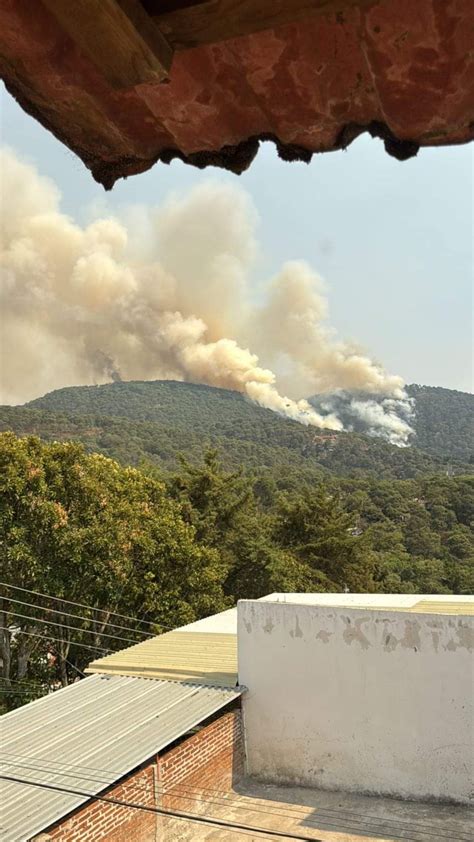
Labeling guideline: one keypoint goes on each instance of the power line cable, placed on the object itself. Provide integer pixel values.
(73, 666)
(77, 616)
(61, 640)
(228, 802)
(46, 685)
(328, 820)
(13, 692)
(24, 692)
(360, 818)
(190, 817)
(74, 628)
(7, 680)
(326, 815)
(137, 620)
(324, 819)
(48, 766)
(22, 681)
(83, 605)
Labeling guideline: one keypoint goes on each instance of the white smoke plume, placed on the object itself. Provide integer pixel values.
(165, 295)
(386, 418)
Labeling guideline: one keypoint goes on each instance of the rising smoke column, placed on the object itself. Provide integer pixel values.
(164, 293)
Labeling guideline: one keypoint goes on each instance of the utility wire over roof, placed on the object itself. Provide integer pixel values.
(106, 726)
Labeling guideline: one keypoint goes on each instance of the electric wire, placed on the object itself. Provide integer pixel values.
(21, 693)
(323, 819)
(221, 803)
(83, 605)
(77, 616)
(25, 691)
(226, 803)
(326, 815)
(73, 628)
(343, 811)
(73, 666)
(61, 640)
(47, 762)
(189, 817)
(22, 681)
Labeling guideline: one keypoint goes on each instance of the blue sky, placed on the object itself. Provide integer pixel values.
(392, 240)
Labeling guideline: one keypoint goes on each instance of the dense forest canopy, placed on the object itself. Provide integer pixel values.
(444, 421)
(155, 421)
(208, 499)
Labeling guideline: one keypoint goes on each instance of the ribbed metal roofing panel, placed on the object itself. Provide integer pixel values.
(86, 737)
(437, 606)
(179, 656)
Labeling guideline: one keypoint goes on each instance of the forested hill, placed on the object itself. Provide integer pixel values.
(199, 408)
(444, 421)
(442, 418)
(155, 420)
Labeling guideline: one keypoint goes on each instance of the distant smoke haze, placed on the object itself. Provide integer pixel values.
(165, 295)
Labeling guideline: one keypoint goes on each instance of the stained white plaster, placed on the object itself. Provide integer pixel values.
(359, 699)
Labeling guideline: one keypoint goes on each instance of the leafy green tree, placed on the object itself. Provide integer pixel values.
(326, 541)
(212, 499)
(223, 508)
(81, 527)
(420, 540)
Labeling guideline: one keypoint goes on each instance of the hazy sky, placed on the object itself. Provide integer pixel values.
(392, 240)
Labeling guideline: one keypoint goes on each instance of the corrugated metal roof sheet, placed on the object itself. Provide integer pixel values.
(86, 737)
(437, 606)
(423, 606)
(178, 656)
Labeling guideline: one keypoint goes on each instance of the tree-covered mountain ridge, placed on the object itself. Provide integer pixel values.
(154, 421)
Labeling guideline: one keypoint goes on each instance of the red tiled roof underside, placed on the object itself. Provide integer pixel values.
(400, 69)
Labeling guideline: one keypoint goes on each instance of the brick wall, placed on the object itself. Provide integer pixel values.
(209, 762)
(99, 820)
(179, 779)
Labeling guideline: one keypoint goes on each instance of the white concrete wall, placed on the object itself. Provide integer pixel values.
(362, 700)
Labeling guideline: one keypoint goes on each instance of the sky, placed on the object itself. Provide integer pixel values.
(392, 240)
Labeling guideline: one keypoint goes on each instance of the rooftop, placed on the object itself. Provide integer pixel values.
(326, 816)
(94, 732)
(204, 651)
(225, 622)
(86, 737)
(413, 603)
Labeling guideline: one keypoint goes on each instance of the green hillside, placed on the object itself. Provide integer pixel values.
(444, 421)
(155, 421)
(167, 401)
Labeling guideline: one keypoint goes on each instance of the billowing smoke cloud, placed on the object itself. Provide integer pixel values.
(388, 418)
(373, 414)
(104, 363)
(164, 294)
